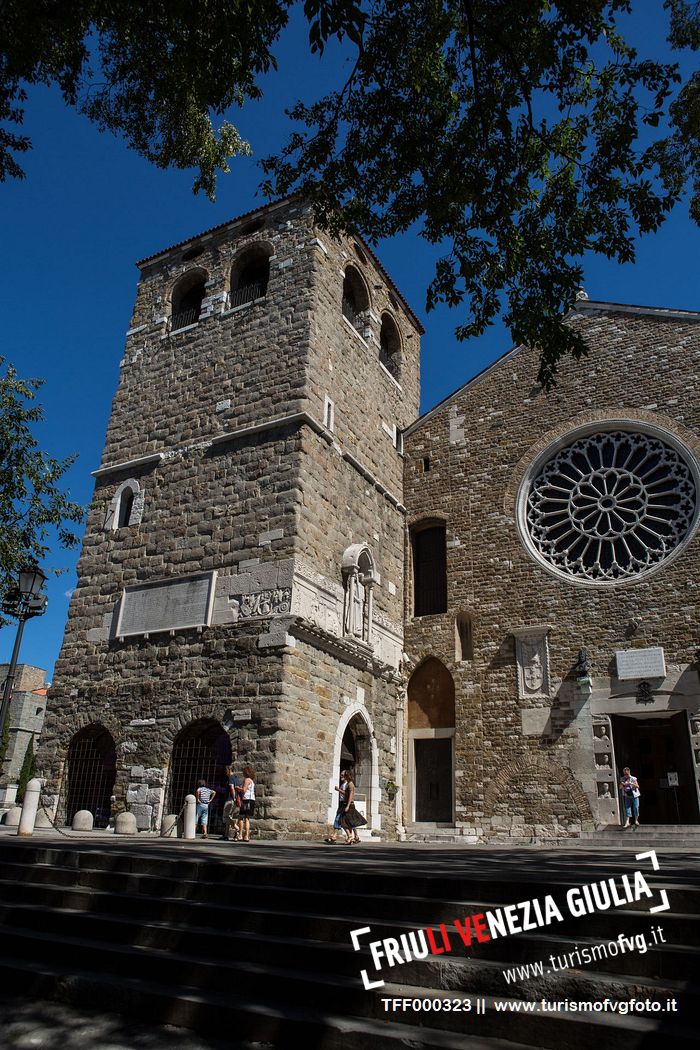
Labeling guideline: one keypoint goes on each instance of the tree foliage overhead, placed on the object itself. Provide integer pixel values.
(31, 502)
(518, 134)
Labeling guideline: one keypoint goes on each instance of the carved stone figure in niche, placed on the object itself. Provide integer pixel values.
(359, 578)
(696, 728)
(602, 732)
(603, 761)
(604, 791)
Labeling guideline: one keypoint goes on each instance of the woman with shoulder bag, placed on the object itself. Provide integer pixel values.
(352, 818)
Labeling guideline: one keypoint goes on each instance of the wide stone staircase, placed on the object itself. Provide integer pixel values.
(255, 941)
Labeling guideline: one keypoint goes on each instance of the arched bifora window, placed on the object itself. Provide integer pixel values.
(355, 301)
(390, 346)
(250, 275)
(429, 571)
(188, 294)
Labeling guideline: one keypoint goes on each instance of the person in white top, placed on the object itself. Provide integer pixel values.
(247, 803)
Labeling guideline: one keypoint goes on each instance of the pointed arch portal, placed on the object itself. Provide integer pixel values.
(431, 733)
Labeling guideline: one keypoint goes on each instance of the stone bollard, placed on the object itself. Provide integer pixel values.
(12, 817)
(125, 824)
(190, 830)
(168, 826)
(83, 820)
(29, 807)
(43, 819)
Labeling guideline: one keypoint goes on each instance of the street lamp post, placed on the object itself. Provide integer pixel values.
(22, 603)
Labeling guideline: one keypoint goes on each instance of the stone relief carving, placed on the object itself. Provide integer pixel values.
(265, 603)
(532, 662)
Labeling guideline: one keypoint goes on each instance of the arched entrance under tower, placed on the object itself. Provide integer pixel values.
(431, 733)
(356, 749)
(91, 769)
(200, 752)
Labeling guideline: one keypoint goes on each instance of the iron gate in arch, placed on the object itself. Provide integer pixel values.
(91, 769)
(200, 752)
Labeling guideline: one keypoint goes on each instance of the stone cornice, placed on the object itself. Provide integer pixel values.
(354, 653)
(301, 418)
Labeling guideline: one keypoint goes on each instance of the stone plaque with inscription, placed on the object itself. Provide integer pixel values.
(167, 605)
(641, 663)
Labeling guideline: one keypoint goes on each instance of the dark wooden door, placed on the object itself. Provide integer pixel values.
(653, 748)
(434, 780)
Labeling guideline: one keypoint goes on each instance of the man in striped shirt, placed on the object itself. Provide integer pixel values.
(205, 796)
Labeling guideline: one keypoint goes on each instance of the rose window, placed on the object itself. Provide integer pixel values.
(610, 506)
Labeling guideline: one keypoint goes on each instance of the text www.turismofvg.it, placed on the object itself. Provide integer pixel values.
(578, 957)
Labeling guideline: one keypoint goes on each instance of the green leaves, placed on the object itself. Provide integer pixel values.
(516, 133)
(32, 505)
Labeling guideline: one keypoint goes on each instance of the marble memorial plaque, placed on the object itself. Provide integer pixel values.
(244, 715)
(167, 605)
(641, 663)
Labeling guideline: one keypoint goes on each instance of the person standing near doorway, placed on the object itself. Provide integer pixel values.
(629, 786)
(247, 803)
(205, 796)
(231, 804)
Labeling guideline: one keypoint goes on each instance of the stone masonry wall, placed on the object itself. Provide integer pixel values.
(225, 483)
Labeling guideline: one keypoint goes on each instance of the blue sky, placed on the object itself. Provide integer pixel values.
(89, 208)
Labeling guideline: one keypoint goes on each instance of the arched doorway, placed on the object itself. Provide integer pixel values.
(200, 752)
(91, 769)
(356, 754)
(431, 732)
(356, 749)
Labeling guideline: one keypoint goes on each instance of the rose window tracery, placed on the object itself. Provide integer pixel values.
(610, 506)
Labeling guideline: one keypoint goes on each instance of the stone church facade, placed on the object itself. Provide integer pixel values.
(561, 643)
(284, 567)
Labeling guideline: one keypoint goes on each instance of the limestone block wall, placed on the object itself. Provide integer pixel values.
(219, 439)
(321, 696)
(148, 692)
(524, 761)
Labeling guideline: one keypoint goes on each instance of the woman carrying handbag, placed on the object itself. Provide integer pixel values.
(352, 818)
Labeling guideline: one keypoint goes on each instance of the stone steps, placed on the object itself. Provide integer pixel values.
(163, 933)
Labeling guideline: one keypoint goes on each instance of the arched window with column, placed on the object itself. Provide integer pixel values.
(390, 346)
(356, 302)
(250, 275)
(187, 298)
